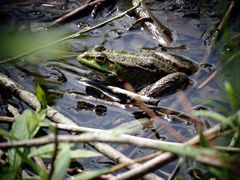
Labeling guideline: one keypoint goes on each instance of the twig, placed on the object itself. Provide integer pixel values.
(230, 149)
(74, 35)
(154, 116)
(69, 15)
(205, 82)
(14, 111)
(55, 152)
(162, 159)
(133, 95)
(110, 138)
(177, 167)
(57, 117)
(6, 119)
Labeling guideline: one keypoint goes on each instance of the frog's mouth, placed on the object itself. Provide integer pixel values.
(92, 62)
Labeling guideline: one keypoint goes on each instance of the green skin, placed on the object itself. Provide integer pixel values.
(139, 69)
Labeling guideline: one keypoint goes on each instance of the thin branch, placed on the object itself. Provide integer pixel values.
(177, 167)
(75, 12)
(133, 95)
(203, 156)
(6, 119)
(13, 110)
(206, 81)
(57, 117)
(162, 159)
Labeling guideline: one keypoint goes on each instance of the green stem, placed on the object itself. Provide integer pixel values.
(74, 35)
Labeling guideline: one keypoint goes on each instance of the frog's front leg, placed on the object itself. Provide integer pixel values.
(167, 85)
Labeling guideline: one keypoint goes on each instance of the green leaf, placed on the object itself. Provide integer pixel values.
(4, 133)
(90, 174)
(8, 173)
(20, 129)
(214, 115)
(62, 163)
(232, 96)
(41, 97)
(202, 141)
(26, 126)
(46, 151)
(83, 154)
(42, 151)
(15, 160)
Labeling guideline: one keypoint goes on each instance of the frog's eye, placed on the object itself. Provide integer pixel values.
(99, 48)
(85, 56)
(101, 58)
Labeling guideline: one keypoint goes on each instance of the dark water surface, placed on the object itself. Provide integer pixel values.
(61, 77)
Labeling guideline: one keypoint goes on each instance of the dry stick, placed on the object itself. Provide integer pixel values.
(216, 35)
(133, 95)
(13, 110)
(74, 35)
(205, 82)
(75, 12)
(177, 167)
(6, 119)
(111, 138)
(31, 100)
(161, 160)
(154, 116)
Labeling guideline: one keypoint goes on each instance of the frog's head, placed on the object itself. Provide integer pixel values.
(97, 60)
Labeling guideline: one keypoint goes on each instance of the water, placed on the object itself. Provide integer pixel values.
(61, 77)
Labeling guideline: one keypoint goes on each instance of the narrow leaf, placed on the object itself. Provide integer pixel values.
(61, 164)
(214, 115)
(83, 154)
(41, 97)
(4, 133)
(90, 174)
(46, 151)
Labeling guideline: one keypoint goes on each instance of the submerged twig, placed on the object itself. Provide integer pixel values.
(177, 167)
(216, 35)
(206, 81)
(75, 12)
(74, 35)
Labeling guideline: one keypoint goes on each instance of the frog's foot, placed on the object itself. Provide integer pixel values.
(167, 85)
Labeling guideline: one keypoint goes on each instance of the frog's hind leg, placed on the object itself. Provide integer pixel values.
(167, 85)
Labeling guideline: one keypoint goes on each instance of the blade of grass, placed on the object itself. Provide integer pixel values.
(74, 35)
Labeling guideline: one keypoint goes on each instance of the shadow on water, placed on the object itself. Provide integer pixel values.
(62, 76)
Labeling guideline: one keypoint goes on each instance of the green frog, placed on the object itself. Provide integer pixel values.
(151, 74)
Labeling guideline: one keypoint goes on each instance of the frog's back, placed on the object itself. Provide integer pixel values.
(147, 61)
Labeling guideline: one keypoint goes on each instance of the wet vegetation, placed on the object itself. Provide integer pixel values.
(71, 112)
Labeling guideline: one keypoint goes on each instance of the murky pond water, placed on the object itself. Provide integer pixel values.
(62, 78)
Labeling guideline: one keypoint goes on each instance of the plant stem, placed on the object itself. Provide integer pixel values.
(74, 35)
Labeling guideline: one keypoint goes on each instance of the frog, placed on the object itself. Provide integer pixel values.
(152, 74)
